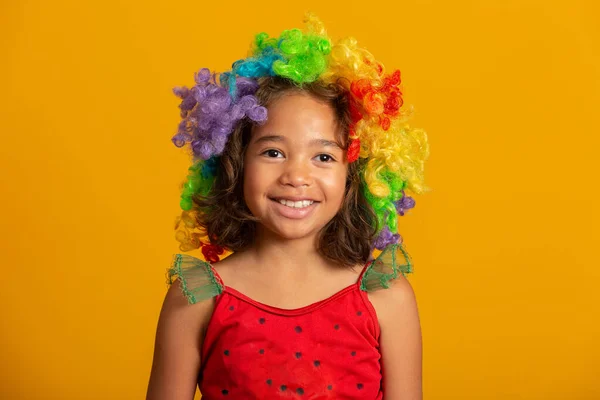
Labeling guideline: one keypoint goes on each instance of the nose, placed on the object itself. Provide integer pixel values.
(296, 173)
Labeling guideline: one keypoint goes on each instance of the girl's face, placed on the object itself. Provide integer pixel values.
(294, 170)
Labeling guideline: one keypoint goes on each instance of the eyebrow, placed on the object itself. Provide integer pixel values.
(279, 138)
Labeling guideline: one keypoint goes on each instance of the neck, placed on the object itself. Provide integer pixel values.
(287, 257)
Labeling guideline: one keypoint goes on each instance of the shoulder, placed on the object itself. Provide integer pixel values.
(178, 343)
(196, 278)
(179, 319)
(189, 302)
(178, 297)
(399, 297)
(400, 339)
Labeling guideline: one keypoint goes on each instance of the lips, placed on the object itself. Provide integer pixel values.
(291, 198)
(294, 207)
(294, 201)
(295, 204)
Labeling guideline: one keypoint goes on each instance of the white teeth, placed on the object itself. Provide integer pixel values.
(296, 204)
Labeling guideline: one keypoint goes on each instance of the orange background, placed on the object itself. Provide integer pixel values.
(506, 270)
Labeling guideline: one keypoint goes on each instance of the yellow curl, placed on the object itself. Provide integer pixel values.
(352, 62)
(314, 24)
(401, 149)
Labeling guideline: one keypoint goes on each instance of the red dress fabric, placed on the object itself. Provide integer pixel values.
(326, 350)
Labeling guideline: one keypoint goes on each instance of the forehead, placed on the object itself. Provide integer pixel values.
(299, 116)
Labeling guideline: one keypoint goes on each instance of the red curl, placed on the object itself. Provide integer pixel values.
(384, 122)
(392, 80)
(373, 104)
(353, 150)
(383, 101)
(393, 104)
(361, 87)
(355, 113)
(211, 252)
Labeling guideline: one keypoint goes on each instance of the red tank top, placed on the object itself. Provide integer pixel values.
(326, 350)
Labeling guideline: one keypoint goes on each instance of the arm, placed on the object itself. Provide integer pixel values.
(400, 340)
(179, 337)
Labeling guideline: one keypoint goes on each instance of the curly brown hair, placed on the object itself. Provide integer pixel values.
(346, 239)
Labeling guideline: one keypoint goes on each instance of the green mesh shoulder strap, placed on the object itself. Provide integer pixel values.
(198, 280)
(392, 261)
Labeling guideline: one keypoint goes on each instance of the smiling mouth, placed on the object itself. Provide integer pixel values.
(295, 204)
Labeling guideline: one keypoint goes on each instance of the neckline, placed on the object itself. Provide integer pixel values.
(292, 311)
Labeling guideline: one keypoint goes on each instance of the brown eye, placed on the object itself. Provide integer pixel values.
(325, 158)
(272, 153)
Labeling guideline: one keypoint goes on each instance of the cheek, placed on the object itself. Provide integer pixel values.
(254, 185)
(336, 187)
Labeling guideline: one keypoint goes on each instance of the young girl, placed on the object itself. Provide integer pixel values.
(301, 160)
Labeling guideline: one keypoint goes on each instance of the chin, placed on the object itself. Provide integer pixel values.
(292, 234)
(292, 230)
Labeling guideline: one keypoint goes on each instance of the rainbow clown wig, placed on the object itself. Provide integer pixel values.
(391, 153)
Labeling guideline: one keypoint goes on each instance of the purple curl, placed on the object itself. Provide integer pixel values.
(385, 238)
(210, 113)
(405, 203)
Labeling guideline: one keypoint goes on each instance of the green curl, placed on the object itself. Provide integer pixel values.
(302, 56)
(384, 207)
(262, 41)
(199, 182)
